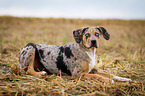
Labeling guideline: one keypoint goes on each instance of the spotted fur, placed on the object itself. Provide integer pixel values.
(72, 59)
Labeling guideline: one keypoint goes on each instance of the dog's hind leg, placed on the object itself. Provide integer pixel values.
(26, 55)
(29, 60)
(31, 70)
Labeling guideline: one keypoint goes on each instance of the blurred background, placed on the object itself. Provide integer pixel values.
(52, 22)
(85, 9)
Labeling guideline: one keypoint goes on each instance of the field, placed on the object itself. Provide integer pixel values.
(123, 55)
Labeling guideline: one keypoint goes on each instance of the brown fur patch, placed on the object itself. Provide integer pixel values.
(85, 66)
(31, 70)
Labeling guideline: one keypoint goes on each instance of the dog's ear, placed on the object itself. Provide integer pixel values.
(103, 31)
(78, 34)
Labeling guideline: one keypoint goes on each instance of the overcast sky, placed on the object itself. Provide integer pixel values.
(90, 9)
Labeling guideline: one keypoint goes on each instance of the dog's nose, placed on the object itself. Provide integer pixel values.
(93, 42)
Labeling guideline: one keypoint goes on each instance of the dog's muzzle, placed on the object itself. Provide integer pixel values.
(94, 43)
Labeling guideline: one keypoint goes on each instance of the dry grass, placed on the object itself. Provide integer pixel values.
(123, 55)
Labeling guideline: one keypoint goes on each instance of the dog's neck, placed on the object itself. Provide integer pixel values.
(92, 55)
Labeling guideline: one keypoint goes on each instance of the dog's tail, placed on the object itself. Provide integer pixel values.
(26, 56)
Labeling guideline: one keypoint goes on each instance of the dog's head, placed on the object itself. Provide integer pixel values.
(89, 37)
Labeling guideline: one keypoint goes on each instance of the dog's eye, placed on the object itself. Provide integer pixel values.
(87, 35)
(96, 34)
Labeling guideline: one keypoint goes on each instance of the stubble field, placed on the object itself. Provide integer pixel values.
(123, 55)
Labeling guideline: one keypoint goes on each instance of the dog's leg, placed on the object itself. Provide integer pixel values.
(31, 70)
(105, 77)
(121, 78)
(105, 74)
(113, 76)
(98, 77)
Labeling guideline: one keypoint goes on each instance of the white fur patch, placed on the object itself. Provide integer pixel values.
(92, 55)
(43, 73)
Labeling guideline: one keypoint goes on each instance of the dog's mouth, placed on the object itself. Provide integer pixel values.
(93, 44)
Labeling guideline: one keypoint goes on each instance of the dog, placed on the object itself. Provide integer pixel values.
(75, 59)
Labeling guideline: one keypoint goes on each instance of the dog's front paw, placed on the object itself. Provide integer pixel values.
(112, 81)
(42, 73)
(121, 79)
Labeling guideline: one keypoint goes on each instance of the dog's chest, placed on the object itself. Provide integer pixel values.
(92, 56)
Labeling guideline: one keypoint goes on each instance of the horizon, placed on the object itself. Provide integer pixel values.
(67, 18)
